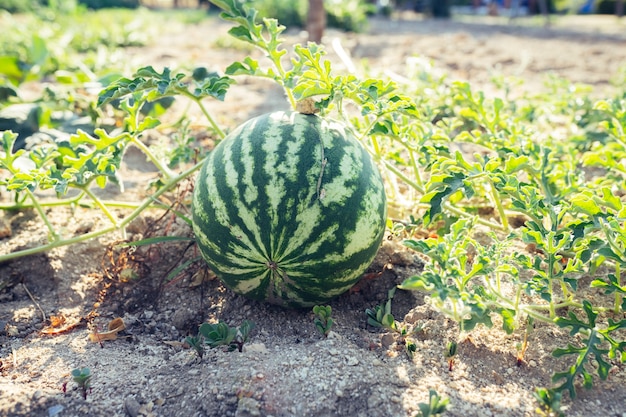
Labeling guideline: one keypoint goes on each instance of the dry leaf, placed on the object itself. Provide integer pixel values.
(56, 323)
(202, 275)
(114, 327)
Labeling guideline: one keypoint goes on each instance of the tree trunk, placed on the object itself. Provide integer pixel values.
(440, 8)
(316, 20)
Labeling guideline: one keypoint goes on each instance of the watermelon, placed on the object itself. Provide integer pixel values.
(290, 209)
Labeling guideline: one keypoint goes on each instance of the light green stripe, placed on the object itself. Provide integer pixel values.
(368, 225)
(242, 213)
(250, 193)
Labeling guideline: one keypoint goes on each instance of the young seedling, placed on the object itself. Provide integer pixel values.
(221, 334)
(450, 353)
(410, 347)
(435, 406)
(549, 402)
(82, 377)
(381, 315)
(197, 344)
(323, 320)
(521, 351)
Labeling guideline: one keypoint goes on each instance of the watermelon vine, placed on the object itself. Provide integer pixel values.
(514, 227)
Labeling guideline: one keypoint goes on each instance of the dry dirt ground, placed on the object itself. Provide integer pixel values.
(287, 368)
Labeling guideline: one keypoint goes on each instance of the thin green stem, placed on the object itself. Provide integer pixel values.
(498, 202)
(157, 163)
(42, 214)
(206, 114)
(282, 76)
(617, 307)
(147, 202)
(402, 176)
(54, 203)
(101, 205)
(70, 201)
(550, 262)
(416, 171)
(553, 306)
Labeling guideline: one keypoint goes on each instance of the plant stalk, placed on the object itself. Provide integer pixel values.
(147, 202)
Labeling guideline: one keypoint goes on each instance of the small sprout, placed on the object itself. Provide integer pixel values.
(521, 348)
(381, 315)
(82, 377)
(323, 320)
(450, 353)
(435, 407)
(197, 344)
(221, 334)
(243, 333)
(410, 348)
(549, 402)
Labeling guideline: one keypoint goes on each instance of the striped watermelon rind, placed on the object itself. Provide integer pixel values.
(289, 209)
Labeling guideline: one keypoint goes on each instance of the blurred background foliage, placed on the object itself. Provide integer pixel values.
(349, 15)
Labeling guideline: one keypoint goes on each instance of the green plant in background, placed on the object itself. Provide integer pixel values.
(323, 320)
(82, 378)
(436, 405)
(85, 160)
(350, 15)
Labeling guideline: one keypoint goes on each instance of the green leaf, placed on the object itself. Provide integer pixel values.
(591, 342)
(609, 199)
(148, 123)
(508, 320)
(585, 204)
(150, 85)
(87, 158)
(249, 66)
(610, 286)
(11, 67)
(442, 186)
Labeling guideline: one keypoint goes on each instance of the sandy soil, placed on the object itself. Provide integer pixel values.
(287, 368)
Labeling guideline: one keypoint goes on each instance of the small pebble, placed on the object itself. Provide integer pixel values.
(132, 407)
(55, 410)
(387, 340)
(352, 361)
(255, 348)
(377, 362)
